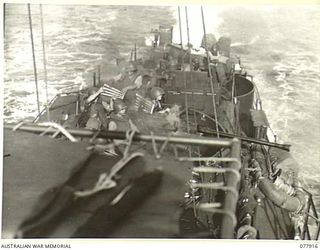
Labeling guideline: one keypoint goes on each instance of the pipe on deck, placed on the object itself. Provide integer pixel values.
(291, 203)
(119, 135)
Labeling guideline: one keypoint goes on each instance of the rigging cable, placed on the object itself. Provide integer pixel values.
(34, 59)
(44, 64)
(210, 73)
(191, 80)
(180, 27)
(185, 84)
(187, 108)
(190, 65)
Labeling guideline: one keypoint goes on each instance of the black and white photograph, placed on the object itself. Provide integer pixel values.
(181, 121)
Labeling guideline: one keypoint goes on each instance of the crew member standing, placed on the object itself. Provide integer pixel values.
(156, 95)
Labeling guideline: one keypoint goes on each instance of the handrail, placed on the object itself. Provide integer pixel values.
(227, 229)
(49, 105)
(119, 135)
(310, 213)
(231, 186)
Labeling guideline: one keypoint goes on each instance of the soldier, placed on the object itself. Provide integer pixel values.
(128, 80)
(152, 102)
(129, 83)
(118, 119)
(96, 111)
(121, 86)
(156, 94)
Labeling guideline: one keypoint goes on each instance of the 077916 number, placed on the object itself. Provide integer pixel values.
(308, 245)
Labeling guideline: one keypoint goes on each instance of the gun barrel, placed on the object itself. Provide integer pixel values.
(246, 139)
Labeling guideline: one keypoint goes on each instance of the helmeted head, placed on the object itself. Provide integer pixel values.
(156, 93)
(131, 67)
(196, 63)
(119, 106)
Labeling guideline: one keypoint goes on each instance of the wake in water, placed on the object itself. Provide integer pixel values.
(278, 45)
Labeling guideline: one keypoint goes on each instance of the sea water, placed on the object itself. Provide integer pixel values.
(278, 45)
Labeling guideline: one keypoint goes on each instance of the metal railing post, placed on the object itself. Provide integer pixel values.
(227, 230)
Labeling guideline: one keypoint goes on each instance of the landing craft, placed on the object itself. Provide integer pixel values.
(194, 161)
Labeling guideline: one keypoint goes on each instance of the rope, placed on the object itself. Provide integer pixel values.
(44, 64)
(34, 59)
(104, 182)
(210, 73)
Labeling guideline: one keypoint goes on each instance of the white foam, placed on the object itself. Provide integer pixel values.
(212, 21)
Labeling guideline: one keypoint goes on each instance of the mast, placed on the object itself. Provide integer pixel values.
(34, 59)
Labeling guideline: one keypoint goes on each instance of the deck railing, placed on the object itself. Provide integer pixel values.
(230, 186)
(310, 214)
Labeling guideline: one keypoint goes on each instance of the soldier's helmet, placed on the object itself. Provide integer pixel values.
(155, 92)
(131, 67)
(119, 105)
